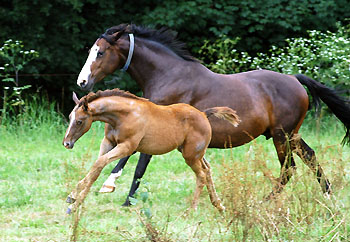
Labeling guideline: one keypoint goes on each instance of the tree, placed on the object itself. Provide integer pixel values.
(63, 31)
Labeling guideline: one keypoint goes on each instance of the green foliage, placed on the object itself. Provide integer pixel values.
(141, 197)
(257, 23)
(15, 58)
(323, 56)
(37, 173)
(63, 31)
(223, 57)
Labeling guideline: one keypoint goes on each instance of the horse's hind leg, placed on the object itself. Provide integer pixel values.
(307, 155)
(285, 157)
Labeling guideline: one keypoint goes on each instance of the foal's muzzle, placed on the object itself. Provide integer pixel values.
(68, 144)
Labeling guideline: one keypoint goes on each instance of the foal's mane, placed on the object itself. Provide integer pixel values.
(164, 36)
(108, 93)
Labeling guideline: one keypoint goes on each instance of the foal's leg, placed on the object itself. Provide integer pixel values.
(214, 198)
(105, 147)
(139, 172)
(197, 168)
(285, 156)
(195, 159)
(307, 155)
(83, 187)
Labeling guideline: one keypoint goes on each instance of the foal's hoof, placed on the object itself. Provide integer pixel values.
(221, 208)
(69, 210)
(271, 196)
(106, 189)
(70, 200)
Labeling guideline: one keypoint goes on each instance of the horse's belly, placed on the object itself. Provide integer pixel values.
(225, 140)
(225, 135)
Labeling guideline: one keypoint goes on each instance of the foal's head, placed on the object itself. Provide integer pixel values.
(80, 120)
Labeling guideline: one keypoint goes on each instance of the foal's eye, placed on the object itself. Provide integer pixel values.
(99, 54)
(78, 122)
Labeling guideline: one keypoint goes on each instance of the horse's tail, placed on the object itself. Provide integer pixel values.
(225, 113)
(337, 104)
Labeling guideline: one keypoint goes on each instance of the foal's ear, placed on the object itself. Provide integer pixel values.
(75, 98)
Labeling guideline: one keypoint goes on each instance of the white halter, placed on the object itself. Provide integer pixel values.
(131, 51)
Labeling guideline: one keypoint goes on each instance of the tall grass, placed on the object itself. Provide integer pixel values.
(37, 173)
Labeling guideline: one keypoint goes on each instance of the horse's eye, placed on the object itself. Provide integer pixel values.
(99, 54)
(78, 122)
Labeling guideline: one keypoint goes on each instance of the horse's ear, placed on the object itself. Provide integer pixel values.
(117, 35)
(75, 98)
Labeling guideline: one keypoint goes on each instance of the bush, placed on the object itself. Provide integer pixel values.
(322, 56)
(15, 57)
(223, 57)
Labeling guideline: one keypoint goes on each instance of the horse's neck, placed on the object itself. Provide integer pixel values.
(153, 65)
(111, 109)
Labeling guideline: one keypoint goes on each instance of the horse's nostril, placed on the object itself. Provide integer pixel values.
(83, 83)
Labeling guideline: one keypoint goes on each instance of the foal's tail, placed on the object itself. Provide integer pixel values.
(225, 113)
(338, 105)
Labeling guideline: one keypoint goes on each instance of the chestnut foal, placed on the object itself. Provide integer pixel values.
(136, 124)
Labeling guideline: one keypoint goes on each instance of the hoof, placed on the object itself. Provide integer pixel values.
(127, 203)
(69, 211)
(70, 200)
(106, 189)
(221, 208)
(272, 196)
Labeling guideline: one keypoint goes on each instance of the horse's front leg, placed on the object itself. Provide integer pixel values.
(140, 170)
(83, 187)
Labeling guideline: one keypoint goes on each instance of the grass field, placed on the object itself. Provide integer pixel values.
(37, 173)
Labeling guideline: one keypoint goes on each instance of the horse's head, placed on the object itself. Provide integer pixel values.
(104, 58)
(80, 120)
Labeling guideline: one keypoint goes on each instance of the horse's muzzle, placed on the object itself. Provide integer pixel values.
(83, 84)
(86, 85)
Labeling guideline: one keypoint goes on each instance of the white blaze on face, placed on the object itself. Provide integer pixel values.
(72, 120)
(86, 71)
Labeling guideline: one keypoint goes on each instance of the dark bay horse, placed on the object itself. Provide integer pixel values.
(268, 103)
(136, 124)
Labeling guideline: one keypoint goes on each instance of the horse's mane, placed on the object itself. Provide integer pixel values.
(164, 36)
(107, 93)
